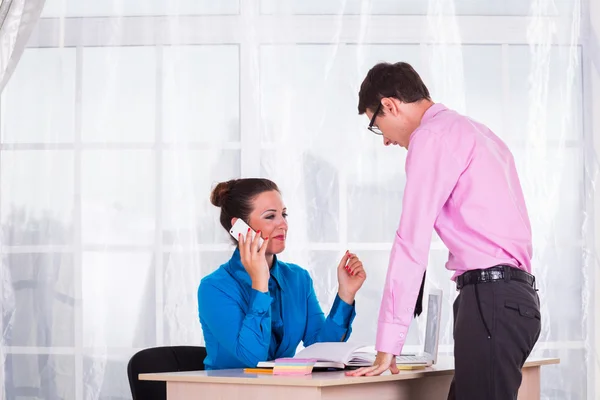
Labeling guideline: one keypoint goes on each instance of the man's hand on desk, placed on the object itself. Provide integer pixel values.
(382, 363)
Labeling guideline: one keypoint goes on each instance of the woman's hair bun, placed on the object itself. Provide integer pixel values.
(221, 192)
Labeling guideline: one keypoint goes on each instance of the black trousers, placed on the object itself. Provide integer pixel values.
(496, 325)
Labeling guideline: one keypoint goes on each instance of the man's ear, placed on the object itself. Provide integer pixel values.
(389, 106)
(233, 220)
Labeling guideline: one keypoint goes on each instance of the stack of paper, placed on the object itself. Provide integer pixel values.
(293, 366)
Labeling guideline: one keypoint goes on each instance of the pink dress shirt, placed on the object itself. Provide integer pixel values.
(461, 181)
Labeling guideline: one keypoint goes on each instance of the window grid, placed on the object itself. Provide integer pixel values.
(249, 144)
(158, 193)
(249, 91)
(77, 228)
(551, 144)
(591, 243)
(219, 247)
(506, 85)
(250, 26)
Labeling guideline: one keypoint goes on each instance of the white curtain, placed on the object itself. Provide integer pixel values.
(17, 20)
(123, 114)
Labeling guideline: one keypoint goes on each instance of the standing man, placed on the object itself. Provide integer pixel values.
(461, 181)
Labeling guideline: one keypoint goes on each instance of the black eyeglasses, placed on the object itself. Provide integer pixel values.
(372, 127)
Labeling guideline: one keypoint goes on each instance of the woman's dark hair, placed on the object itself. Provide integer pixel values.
(235, 197)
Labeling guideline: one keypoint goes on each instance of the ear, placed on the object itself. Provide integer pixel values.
(390, 105)
(233, 220)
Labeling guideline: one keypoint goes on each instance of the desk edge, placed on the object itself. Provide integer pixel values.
(298, 381)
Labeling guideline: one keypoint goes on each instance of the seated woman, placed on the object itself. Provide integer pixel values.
(256, 307)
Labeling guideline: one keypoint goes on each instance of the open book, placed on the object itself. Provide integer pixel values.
(334, 355)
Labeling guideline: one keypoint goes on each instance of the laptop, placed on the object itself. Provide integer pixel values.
(432, 333)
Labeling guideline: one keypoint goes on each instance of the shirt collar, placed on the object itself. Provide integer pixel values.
(432, 112)
(239, 272)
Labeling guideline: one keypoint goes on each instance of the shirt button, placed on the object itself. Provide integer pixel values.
(409, 309)
(402, 335)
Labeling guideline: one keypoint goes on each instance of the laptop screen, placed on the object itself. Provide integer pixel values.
(433, 321)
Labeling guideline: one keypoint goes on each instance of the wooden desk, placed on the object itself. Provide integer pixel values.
(430, 383)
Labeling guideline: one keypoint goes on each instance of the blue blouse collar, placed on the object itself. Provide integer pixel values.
(236, 268)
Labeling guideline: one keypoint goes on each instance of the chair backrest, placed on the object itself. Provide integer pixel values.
(161, 359)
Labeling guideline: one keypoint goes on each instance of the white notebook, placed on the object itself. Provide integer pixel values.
(334, 355)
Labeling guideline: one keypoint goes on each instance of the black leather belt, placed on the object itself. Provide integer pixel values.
(495, 274)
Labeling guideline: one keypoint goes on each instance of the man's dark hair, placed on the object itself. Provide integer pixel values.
(398, 80)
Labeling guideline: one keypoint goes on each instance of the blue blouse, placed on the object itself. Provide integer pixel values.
(243, 326)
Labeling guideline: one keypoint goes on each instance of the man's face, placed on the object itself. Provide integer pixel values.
(394, 121)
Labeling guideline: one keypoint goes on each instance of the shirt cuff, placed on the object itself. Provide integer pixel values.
(342, 314)
(390, 338)
(260, 302)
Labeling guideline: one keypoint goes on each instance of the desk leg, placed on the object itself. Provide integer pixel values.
(530, 385)
(216, 391)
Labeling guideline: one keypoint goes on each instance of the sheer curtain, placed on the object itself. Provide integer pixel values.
(17, 20)
(141, 107)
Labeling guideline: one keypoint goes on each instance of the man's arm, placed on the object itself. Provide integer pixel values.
(432, 171)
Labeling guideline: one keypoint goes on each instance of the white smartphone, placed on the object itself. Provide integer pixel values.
(240, 227)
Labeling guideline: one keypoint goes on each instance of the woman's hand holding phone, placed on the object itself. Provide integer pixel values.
(254, 259)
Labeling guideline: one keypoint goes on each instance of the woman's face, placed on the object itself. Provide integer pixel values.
(269, 216)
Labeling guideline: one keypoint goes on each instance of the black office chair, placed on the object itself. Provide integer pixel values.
(161, 359)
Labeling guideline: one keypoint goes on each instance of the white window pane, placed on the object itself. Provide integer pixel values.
(111, 300)
(40, 213)
(41, 294)
(33, 376)
(545, 94)
(562, 315)
(299, 90)
(552, 182)
(514, 7)
(201, 100)
(554, 379)
(200, 7)
(113, 384)
(188, 178)
(484, 86)
(506, 7)
(443, 74)
(119, 89)
(118, 197)
(343, 7)
(309, 93)
(110, 8)
(38, 104)
(185, 269)
(309, 182)
(368, 299)
(376, 182)
(520, 90)
(414, 7)
(103, 8)
(322, 266)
